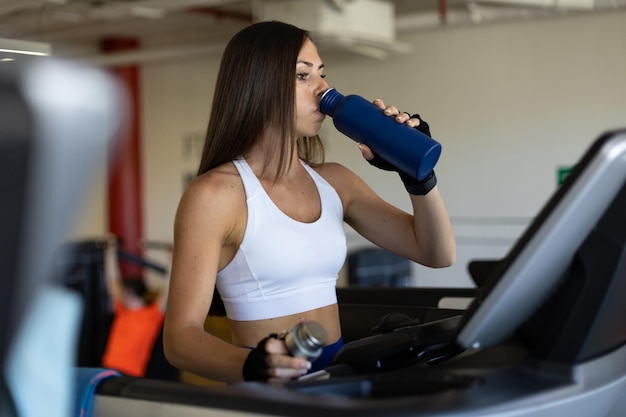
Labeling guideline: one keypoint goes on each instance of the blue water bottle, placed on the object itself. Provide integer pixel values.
(405, 147)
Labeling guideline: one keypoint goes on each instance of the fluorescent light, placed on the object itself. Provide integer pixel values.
(15, 46)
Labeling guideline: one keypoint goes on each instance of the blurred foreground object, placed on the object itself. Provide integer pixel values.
(57, 122)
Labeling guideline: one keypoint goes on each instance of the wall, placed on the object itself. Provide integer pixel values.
(510, 102)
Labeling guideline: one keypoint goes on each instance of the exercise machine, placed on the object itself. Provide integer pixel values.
(543, 336)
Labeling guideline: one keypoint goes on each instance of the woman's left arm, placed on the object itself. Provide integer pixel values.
(424, 236)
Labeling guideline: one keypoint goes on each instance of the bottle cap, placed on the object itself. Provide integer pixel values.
(306, 340)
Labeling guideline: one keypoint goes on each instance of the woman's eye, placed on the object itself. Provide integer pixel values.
(302, 76)
(323, 75)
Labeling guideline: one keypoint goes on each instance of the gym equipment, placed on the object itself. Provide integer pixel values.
(544, 335)
(82, 270)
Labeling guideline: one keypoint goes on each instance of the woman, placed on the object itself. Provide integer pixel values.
(263, 220)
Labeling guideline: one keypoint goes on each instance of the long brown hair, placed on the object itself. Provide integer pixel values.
(255, 94)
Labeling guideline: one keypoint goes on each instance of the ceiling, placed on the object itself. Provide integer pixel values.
(75, 28)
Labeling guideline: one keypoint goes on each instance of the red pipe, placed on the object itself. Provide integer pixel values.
(125, 185)
(443, 11)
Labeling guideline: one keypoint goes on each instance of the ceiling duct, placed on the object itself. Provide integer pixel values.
(366, 27)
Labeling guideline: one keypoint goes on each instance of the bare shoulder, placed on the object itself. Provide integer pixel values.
(216, 194)
(339, 176)
(220, 182)
(333, 171)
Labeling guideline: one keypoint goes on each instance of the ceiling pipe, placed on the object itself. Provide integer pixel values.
(222, 14)
(20, 6)
(124, 9)
(147, 56)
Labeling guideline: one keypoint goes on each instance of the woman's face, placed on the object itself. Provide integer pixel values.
(310, 85)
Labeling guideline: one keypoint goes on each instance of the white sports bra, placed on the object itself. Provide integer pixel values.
(283, 266)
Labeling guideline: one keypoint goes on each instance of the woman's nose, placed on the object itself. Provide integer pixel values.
(323, 86)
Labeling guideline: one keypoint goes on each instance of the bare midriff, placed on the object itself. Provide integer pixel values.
(249, 333)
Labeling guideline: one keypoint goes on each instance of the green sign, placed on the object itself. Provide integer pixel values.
(562, 173)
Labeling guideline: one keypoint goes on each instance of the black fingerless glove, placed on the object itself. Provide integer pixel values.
(412, 185)
(423, 127)
(255, 368)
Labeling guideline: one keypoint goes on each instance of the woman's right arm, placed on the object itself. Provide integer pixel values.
(205, 239)
(202, 224)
